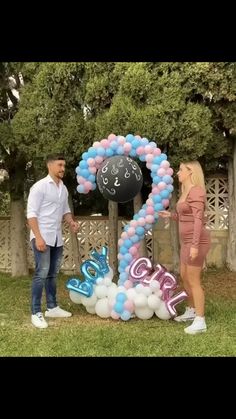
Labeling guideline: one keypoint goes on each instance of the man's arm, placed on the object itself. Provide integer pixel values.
(69, 220)
(39, 241)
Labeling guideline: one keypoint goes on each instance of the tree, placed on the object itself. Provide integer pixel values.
(13, 160)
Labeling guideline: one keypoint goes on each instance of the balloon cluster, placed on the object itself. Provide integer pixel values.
(161, 173)
(148, 292)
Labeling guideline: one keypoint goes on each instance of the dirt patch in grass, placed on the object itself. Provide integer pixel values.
(220, 283)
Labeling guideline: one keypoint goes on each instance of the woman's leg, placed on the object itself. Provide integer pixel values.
(187, 287)
(193, 275)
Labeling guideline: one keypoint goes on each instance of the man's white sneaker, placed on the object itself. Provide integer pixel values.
(189, 314)
(38, 321)
(197, 326)
(57, 312)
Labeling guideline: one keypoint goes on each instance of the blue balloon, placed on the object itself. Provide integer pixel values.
(90, 264)
(85, 288)
(121, 297)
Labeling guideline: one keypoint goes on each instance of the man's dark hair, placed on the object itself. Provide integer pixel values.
(55, 156)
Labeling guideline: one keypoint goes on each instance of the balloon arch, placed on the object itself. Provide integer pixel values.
(142, 290)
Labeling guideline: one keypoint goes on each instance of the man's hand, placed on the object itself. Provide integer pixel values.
(74, 226)
(40, 244)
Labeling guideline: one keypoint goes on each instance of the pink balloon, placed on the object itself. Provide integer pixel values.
(156, 151)
(91, 161)
(127, 147)
(165, 202)
(149, 158)
(155, 190)
(148, 149)
(141, 221)
(88, 185)
(120, 242)
(128, 284)
(161, 172)
(96, 144)
(162, 186)
(104, 143)
(115, 315)
(133, 223)
(173, 301)
(149, 219)
(170, 171)
(111, 137)
(99, 159)
(131, 231)
(92, 170)
(140, 269)
(133, 250)
(150, 210)
(140, 150)
(165, 164)
(129, 305)
(81, 179)
(121, 140)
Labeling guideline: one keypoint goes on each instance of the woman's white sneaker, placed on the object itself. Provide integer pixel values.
(197, 326)
(38, 321)
(188, 315)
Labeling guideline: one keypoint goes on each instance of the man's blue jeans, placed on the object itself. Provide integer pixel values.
(47, 266)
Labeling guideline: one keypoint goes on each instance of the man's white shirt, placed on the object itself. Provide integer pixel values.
(48, 202)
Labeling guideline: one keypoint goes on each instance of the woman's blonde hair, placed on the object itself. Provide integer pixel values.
(197, 176)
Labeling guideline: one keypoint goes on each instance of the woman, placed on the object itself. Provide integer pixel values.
(194, 241)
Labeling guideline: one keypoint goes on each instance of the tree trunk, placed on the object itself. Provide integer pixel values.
(174, 236)
(75, 243)
(19, 265)
(231, 245)
(137, 203)
(113, 235)
(16, 167)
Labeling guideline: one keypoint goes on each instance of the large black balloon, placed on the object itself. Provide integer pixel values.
(119, 178)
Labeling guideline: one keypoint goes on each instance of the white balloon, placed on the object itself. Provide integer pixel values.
(158, 293)
(101, 291)
(139, 288)
(91, 309)
(100, 280)
(154, 302)
(121, 288)
(107, 281)
(131, 293)
(140, 300)
(75, 297)
(110, 274)
(147, 291)
(154, 285)
(111, 293)
(162, 312)
(102, 308)
(90, 301)
(144, 313)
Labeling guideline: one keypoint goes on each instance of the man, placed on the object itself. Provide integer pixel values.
(47, 207)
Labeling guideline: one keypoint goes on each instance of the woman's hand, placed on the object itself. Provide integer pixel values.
(164, 214)
(193, 253)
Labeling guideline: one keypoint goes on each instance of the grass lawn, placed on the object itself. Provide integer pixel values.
(88, 335)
